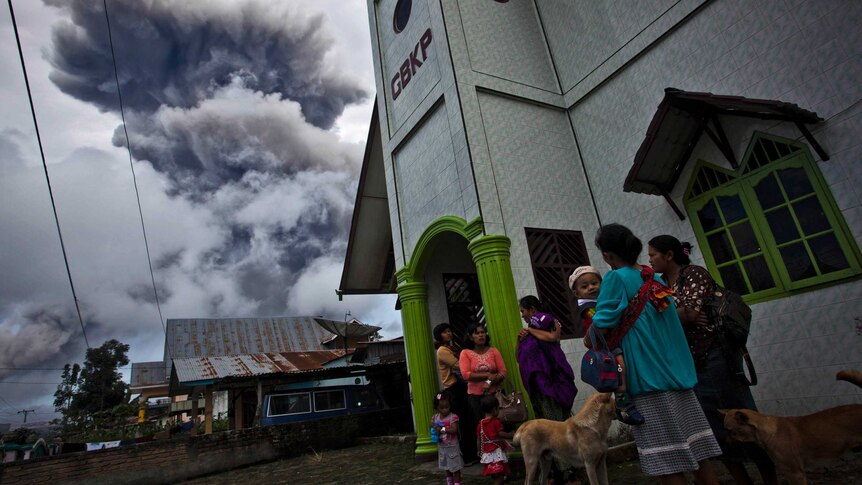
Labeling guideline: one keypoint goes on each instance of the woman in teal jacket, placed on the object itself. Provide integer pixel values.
(675, 437)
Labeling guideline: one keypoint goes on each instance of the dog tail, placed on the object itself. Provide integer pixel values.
(516, 440)
(853, 376)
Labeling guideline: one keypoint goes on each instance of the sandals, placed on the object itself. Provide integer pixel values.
(629, 415)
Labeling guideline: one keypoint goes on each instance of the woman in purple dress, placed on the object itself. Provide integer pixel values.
(547, 375)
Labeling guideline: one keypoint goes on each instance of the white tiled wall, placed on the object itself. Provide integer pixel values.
(396, 48)
(801, 52)
(798, 344)
(438, 150)
(427, 177)
(505, 40)
(581, 39)
(533, 159)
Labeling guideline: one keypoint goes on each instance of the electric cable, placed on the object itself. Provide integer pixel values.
(8, 405)
(48, 368)
(134, 177)
(35, 383)
(45, 167)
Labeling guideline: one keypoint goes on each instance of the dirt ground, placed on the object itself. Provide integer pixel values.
(392, 462)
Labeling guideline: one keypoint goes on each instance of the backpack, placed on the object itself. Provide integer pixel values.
(730, 316)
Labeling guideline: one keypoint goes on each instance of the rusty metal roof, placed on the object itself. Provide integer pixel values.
(193, 369)
(207, 337)
(148, 374)
(678, 123)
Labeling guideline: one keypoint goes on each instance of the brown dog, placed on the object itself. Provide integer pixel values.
(796, 442)
(583, 436)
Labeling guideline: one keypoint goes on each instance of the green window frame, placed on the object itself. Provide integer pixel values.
(771, 228)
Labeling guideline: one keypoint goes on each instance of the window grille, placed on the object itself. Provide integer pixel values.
(554, 255)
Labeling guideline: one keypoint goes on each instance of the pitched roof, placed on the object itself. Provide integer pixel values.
(207, 337)
(679, 121)
(369, 265)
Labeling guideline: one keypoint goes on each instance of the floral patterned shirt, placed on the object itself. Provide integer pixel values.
(692, 288)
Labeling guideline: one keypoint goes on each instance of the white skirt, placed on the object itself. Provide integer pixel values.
(494, 456)
(675, 436)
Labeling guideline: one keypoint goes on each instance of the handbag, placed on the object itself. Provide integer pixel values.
(458, 376)
(599, 367)
(512, 408)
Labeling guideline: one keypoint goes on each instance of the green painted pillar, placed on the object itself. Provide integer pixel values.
(421, 359)
(491, 256)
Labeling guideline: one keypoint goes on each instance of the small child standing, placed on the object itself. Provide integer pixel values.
(492, 442)
(586, 282)
(445, 423)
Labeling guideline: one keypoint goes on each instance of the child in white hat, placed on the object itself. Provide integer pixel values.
(585, 283)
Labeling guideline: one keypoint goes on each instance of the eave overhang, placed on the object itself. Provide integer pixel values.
(680, 120)
(369, 265)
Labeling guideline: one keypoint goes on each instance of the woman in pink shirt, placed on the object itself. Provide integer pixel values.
(482, 366)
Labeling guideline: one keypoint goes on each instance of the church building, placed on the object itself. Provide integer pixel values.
(506, 132)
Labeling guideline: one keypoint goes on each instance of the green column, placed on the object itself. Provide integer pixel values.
(491, 256)
(421, 360)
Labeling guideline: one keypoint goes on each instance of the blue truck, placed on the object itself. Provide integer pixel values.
(304, 401)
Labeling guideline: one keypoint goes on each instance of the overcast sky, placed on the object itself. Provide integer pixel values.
(247, 122)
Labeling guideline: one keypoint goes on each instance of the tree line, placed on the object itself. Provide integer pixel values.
(92, 399)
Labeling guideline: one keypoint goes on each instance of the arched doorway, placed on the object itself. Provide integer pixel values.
(421, 289)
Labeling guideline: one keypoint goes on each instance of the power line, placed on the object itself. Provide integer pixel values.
(134, 177)
(48, 368)
(35, 383)
(45, 167)
(6, 403)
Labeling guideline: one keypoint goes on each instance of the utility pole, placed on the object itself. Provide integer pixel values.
(346, 330)
(26, 412)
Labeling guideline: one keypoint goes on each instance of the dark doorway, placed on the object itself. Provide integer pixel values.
(463, 302)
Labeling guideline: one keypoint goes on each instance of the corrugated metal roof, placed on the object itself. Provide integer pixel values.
(145, 374)
(191, 369)
(206, 337)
